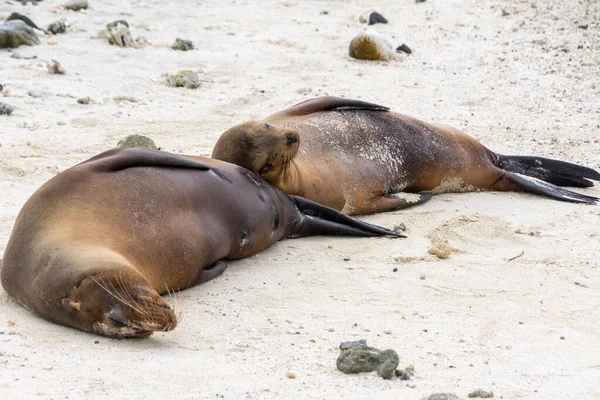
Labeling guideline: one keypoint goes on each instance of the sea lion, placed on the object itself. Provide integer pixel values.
(358, 157)
(95, 246)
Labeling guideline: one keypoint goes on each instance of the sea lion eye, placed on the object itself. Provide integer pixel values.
(268, 126)
(116, 322)
(290, 139)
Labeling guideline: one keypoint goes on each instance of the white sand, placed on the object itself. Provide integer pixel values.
(520, 83)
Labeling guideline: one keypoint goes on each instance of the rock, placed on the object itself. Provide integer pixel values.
(183, 45)
(137, 141)
(358, 357)
(481, 394)
(119, 35)
(54, 67)
(187, 79)
(5, 109)
(402, 374)
(84, 100)
(440, 248)
(420, 1)
(39, 92)
(398, 228)
(362, 19)
(15, 33)
(57, 27)
(371, 46)
(442, 396)
(376, 18)
(76, 5)
(403, 48)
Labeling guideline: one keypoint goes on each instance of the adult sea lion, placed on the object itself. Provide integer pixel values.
(357, 157)
(95, 246)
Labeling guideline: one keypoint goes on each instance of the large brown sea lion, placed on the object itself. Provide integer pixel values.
(357, 157)
(95, 246)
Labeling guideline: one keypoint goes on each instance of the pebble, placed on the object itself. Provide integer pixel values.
(84, 100)
(357, 356)
(57, 27)
(76, 5)
(137, 141)
(481, 394)
(182, 45)
(399, 227)
(5, 109)
(291, 375)
(184, 78)
(404, 49)
(372, 46)
(376, 18)
(54, 67)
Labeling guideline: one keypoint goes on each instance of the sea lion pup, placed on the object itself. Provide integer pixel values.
(95, 246)
(358, 157)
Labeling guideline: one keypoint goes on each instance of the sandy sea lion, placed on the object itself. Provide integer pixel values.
(95, 246)
(358, 157)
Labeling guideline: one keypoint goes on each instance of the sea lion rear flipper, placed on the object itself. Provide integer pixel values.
(328, 103)
(557, 172)
(322, 220)
(538, 186)
(119, 159)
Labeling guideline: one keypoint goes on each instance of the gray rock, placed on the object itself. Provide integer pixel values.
(5, 109)
(57, 27)
(76, 5)
(137, 141)
(16, 33)
(358, 357)
(39, 92)
(119, 34)
(184, 78)
(442, 396)
(183, 45)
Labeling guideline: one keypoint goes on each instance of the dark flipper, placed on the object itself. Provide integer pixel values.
(535, 185)
(119, 159)
(329, 103)
(560, 173)
(321, 220)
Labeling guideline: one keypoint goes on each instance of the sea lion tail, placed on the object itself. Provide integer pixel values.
(559, 173)
(321, 220)
(534, 185)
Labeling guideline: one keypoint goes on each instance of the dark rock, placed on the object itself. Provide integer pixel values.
(403, 48)
(420, 1)
(5, 109)
(376, 18)
(403, 374)
(182, 44)
(358, 357)
(57, 27)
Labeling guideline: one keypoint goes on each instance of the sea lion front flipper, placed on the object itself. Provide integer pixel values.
(328, 103)
(321, 220)
(396, 201)
(119, 159)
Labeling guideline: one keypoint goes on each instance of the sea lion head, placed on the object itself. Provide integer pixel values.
(259, 147)
(117, 304)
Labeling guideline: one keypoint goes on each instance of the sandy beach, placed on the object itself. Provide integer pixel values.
(514, 309)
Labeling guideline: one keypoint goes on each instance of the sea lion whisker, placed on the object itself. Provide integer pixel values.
(121, 283)
(122, 300)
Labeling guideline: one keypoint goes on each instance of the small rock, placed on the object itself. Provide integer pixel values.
(324, 12)
(76, 5)
(362, 19)
(420, 1)
(583, 26)
(358, 357)
(422, 277)
(187, 79)
(395, 270)
(402, 374)
(54, 67)
(505, 13)
(16, 33)
(57, 27)
(404, 49)
(182, 45)
(39, 92)
(481, 394)
(10, 323)
(440, 249)
(376, 18)
(399, 227)
(118, 34)
(346, 258)
(84, 100)
(137, 141)
(442, 396)
(371, 46)
(291, 375)
(96, 342)
(5, 109)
